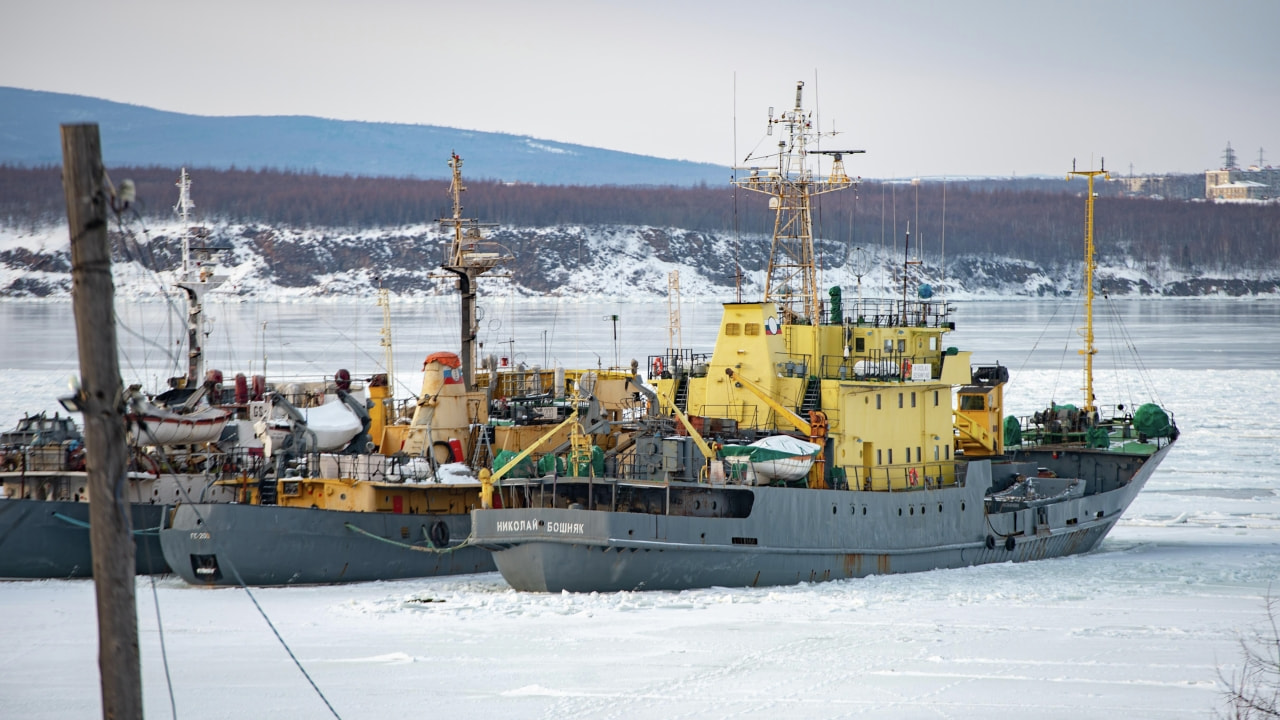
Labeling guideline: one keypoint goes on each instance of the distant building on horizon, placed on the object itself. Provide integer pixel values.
(1256, 183)
(1167, 187)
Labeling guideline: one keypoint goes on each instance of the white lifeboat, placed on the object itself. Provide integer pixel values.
(152, 425)
(777, 457)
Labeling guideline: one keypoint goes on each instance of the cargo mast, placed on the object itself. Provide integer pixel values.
(469, 257)
(1090, 262)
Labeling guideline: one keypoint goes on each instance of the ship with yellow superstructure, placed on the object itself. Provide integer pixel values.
(818, 441)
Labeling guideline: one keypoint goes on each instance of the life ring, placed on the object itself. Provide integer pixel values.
(906, 368)
(439, 534)
(913, 477)
(657, 367)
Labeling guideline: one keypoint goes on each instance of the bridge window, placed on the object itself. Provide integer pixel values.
(935, 398)
(913, 399)
(753, 329)
(917, 453)
(899, 400)
(972, 402)
(880, 457)
(860, 345)
(732, 329)
(877, 401)
(890, 456)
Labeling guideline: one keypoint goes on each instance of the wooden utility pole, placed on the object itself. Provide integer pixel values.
(110, 527)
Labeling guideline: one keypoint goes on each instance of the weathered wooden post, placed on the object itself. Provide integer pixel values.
(110, 532)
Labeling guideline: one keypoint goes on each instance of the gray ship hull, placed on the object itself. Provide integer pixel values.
(47, 539)
(794, 535)
(225, 544)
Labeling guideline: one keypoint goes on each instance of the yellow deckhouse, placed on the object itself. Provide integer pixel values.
(871, 383)
(874, 388)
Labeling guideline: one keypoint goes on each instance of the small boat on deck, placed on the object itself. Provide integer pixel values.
(324, 428)
(153, 425)
(778, 457)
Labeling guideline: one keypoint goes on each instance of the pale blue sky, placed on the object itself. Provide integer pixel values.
(927, 88)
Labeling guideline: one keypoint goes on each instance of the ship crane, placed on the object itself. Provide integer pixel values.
(490, 478)
(703, 447)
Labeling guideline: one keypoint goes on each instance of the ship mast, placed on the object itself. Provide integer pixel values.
(792, 280)
(675, 337)
(195, 280)
(1090, 262)
(384, 301)
(469, 257)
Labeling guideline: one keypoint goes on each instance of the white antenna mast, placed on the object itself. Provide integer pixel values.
(183, 208)
(195, 283)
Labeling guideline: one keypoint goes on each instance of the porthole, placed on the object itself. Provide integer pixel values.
(913, 509)
(899, 512)
(962, 507)
(697, 504)
(714, 505)
(864, 509)
(939, 507)
(833, 509)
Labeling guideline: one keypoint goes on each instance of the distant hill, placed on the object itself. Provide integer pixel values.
(140, 136)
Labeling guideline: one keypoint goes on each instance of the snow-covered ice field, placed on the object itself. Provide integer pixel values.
(1141, 628)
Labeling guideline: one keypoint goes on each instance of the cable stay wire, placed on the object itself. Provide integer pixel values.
(225, 559)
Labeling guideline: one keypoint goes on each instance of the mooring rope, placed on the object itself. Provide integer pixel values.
(84, 525)
(410, 546)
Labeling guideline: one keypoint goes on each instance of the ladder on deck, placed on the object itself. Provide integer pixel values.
(812, 396)
(682, 393)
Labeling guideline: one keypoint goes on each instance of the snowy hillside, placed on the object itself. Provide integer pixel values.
(279, 263)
